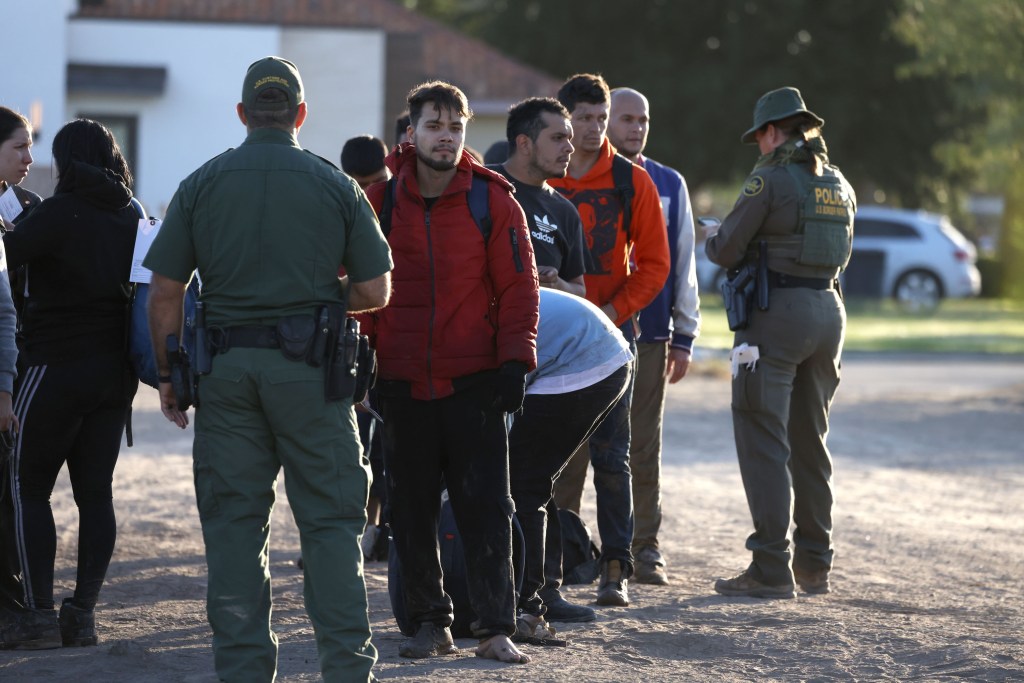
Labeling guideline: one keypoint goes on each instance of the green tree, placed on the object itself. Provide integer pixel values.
(703, 64)
(979, 46)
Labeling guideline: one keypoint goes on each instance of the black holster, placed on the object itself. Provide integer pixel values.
(181, 374)
(738, 295)
(352, 367)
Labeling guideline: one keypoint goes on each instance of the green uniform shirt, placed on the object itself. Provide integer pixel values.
(268, 226)
(768, 208)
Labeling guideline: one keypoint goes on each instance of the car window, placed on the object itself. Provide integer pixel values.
(868, 227)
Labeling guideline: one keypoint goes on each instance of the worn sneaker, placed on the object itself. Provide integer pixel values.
(562, 610)
(813, 581)
(746, 586)
(613, 589)
(30, 629)
(650, 567)
(77, 625)
(430, 640)
(529, 626)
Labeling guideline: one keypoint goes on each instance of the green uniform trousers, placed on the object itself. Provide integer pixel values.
(780, 418)
(260, 412)
(646, 414)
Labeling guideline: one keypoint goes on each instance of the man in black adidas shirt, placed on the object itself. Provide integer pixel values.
(539, 141)
(539, 135)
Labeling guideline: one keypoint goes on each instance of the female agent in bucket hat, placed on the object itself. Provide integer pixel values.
(778, 105)
(800, 208)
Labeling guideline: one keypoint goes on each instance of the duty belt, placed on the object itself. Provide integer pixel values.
(784, 281)
(244, 336)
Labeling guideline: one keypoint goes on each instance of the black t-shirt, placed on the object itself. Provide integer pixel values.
(555, 227)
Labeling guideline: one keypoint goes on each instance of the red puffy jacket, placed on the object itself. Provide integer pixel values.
(458, 307)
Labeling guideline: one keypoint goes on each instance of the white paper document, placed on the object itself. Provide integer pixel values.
(10, 207)
(148, 228)
(745, 355)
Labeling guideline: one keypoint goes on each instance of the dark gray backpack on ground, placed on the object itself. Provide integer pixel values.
(580, 554)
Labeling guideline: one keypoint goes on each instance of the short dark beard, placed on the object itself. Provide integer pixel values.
(438, 165)
(544, 173)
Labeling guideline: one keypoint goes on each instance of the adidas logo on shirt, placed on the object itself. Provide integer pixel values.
(544, 226)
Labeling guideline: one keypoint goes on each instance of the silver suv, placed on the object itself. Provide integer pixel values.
(916, 257)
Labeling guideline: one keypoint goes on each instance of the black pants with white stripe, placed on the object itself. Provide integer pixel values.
(72, 412)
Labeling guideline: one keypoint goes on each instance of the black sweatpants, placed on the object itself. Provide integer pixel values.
(541, 442)
(462, 438)
(71, 412)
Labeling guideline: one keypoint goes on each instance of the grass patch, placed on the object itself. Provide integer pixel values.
(960, 325)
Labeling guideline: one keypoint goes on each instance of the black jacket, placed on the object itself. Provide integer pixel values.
(78, 245)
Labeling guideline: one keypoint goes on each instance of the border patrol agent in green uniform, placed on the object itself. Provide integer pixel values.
(801, 209)
(268, 226)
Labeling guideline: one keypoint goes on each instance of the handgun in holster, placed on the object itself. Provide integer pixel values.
(738, 295)
(352, 367)
(181, 373)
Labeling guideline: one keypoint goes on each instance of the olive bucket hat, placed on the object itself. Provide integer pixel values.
(775, 106)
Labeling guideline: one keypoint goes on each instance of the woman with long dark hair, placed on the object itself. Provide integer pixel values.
(15, 159)
(76, 386)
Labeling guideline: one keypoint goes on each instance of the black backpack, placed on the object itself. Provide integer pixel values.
(580, 555)
(622, 176)
(453, 564)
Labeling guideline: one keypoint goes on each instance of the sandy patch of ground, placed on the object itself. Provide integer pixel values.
(929, 563)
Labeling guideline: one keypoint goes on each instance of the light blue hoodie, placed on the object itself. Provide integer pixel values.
(577, 345)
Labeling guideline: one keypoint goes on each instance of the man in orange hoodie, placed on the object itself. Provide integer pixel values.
(625, 232)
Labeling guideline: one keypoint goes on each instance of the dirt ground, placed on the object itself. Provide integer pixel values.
(927, 582)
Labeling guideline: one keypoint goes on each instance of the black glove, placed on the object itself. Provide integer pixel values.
(510, 386)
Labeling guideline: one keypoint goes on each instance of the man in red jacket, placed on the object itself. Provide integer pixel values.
(630, 265)
(453, 349)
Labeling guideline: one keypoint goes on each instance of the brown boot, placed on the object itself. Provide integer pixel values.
(649, 567)
(744, 585)
(815, 581)
(612, 590)
(431, 640)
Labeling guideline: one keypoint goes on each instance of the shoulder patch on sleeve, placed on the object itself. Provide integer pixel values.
(753, 186)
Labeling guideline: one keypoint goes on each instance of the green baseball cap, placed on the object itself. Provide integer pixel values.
(271, 72)
(775, 106)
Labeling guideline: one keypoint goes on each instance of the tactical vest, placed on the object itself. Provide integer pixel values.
(826, 218)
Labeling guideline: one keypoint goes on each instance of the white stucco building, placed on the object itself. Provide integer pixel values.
(165, 76)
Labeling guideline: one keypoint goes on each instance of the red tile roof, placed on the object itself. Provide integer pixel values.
(480, 70)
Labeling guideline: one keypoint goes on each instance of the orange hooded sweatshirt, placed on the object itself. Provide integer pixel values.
(613, 279)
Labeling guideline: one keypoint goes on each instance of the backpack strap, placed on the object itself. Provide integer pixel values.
(385, 210)
(130, 310)
(479, 205)
(622, 176)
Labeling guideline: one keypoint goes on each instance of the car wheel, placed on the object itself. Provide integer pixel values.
(918, 291)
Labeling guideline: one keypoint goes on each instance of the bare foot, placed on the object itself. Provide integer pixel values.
(501, 648)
